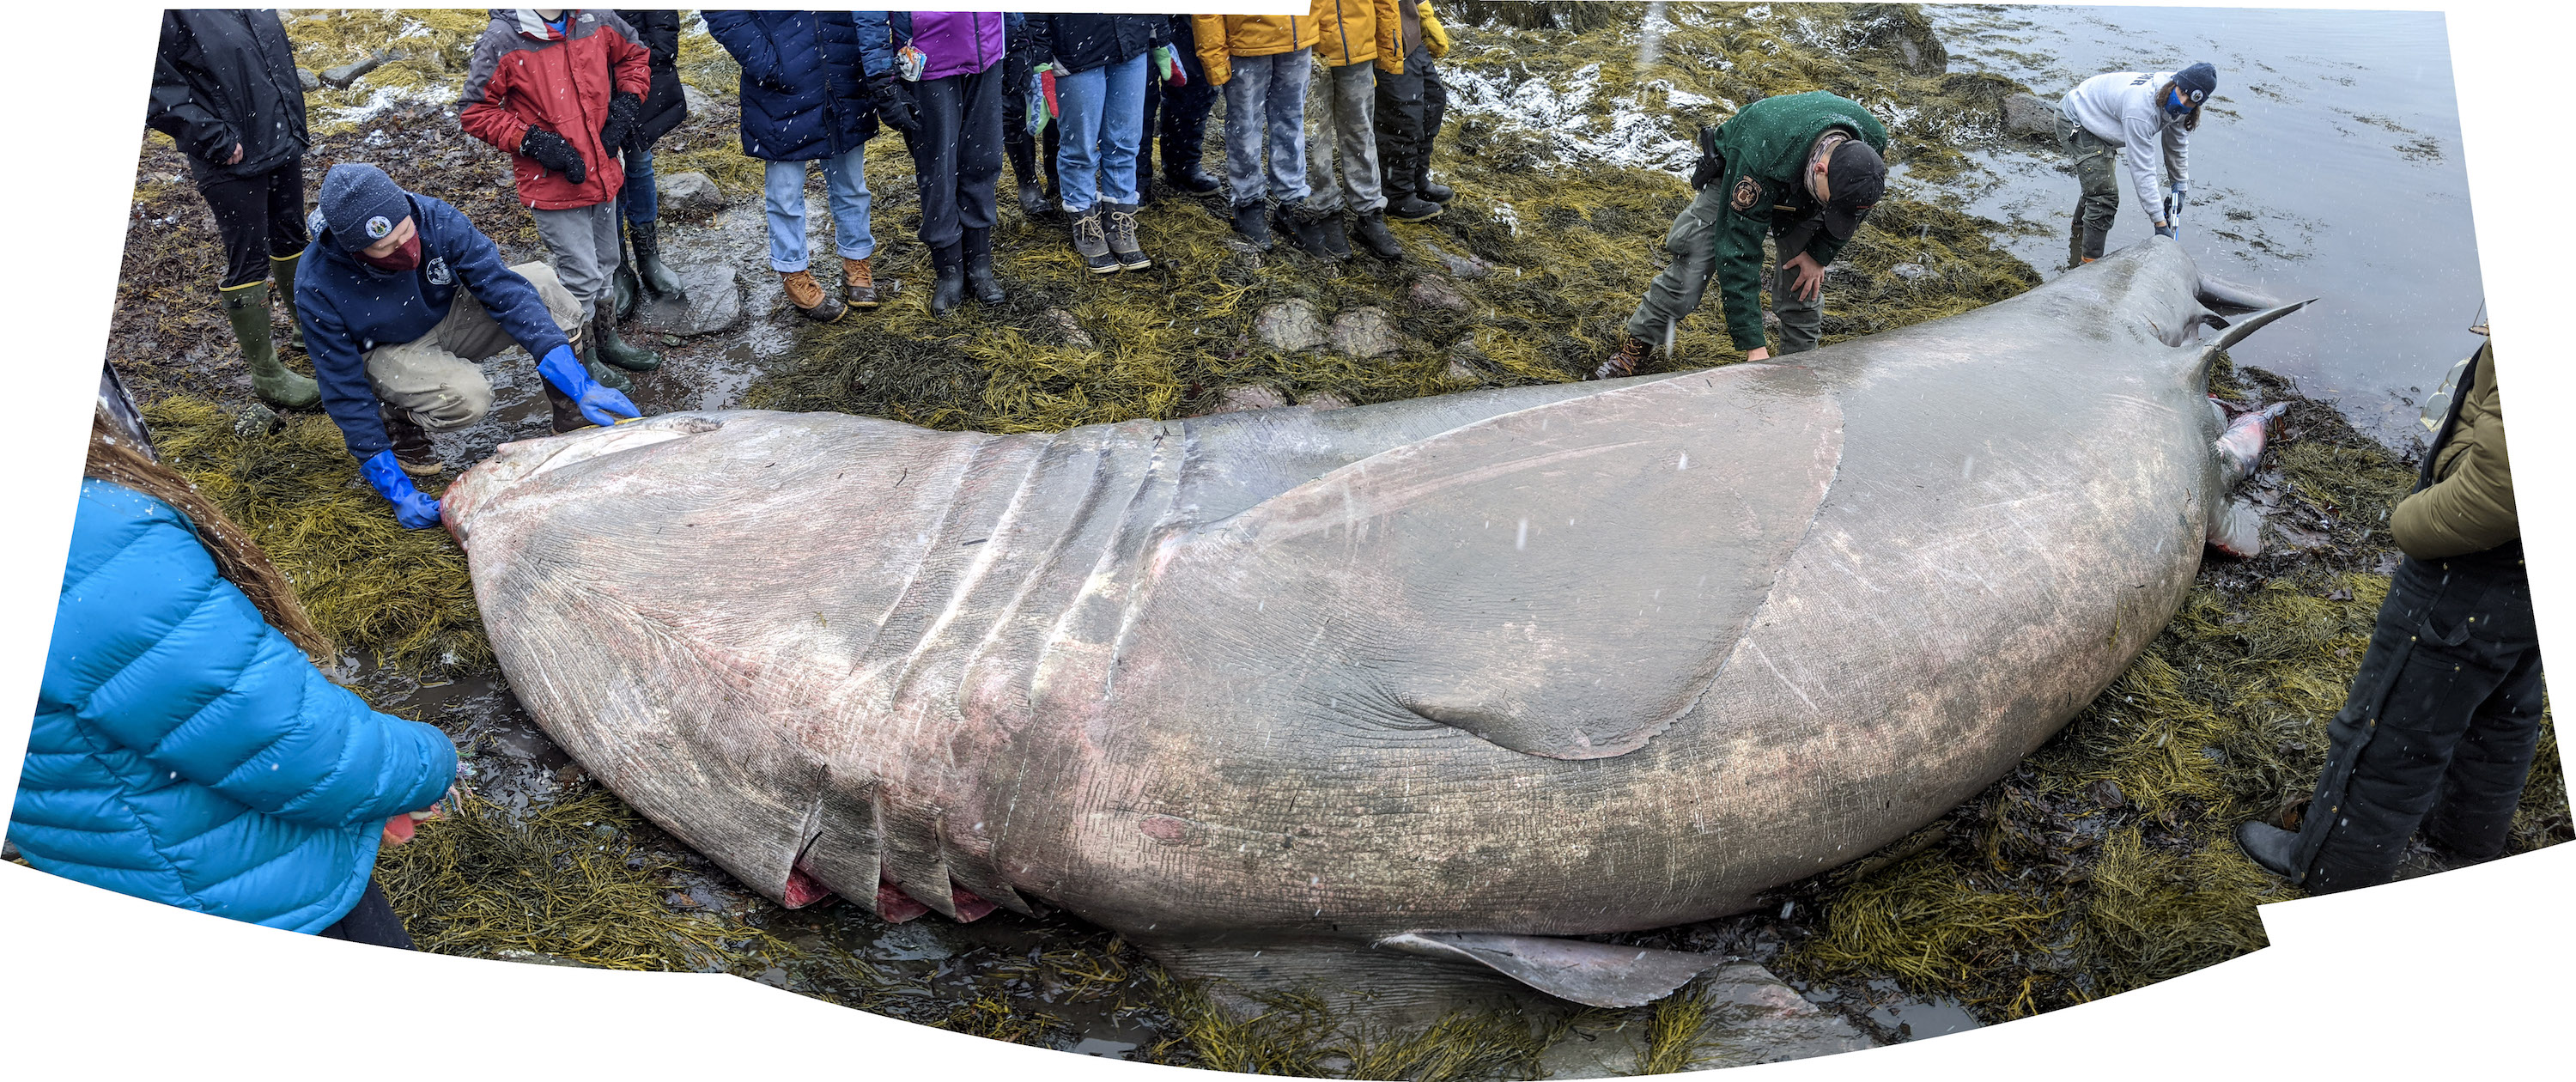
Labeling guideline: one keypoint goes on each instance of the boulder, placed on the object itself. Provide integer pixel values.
(307, 79)
(2027, 116)
(340, 77)
(1363, 333)
(714, 303)
(1436, 292)
(1459, 265)
(696, 100)
(689, 193)
(1250, 396)
(1289, 326)
(1326, 400)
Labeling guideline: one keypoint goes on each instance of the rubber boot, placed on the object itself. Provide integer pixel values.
(1183, 171)
(610, 378)
(807, 297)
(980, 283)
(566, 416)
(283, 269)
(859, 284)
(1092, 243)
(623, 289)
(412, 450)
(658, 277)
(1631, 355)
(948, 286)
(1372, 230)
(1252, 223)
(247, 308)
(1427, 188)
(1122, 237)
(2275, 849)
(1024, 173)
(615, 351)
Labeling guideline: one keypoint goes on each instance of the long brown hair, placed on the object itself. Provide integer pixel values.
(236, 556)
(2191, 121)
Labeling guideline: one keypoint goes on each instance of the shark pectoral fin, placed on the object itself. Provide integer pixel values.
(2227, 296)
(2236, 529)
(1593, 974)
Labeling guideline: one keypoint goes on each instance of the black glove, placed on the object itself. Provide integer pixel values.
(554, 152)
(1705, 172)
(894, 106)
(622, 108)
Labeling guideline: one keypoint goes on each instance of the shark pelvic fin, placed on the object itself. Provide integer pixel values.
(1593, 974)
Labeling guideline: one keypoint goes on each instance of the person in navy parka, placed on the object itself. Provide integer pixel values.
(185, 749)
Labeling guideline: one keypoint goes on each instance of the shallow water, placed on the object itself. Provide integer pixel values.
(2328, 165)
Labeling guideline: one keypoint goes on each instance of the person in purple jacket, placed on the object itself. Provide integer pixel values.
(938, 77)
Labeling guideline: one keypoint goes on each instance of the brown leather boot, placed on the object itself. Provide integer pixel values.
(859, 284)
(808, 297)
(565, 416)
(411, 445)
(1631, 355)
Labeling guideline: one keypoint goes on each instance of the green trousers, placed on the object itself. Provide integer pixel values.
(1677, 291)
(2100, 201)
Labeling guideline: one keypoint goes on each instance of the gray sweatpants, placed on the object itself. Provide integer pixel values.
(434, 377)
(1341, 108)
(1266, 95)
(586, 249)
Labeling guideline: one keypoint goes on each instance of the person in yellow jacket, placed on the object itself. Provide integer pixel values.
(1410, 104)
(1262, 62)
(1355, 40)
(2439, 729)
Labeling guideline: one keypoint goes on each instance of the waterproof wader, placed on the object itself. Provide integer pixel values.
(2100, 201)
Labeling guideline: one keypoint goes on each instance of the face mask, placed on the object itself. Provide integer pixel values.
(404, 257)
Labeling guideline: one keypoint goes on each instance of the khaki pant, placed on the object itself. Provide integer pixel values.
(1678, 288)
(434, 378)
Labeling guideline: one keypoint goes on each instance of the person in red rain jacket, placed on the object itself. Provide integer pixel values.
(560, 91)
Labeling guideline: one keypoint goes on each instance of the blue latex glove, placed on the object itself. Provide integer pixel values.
(599, 405)
(414, 510)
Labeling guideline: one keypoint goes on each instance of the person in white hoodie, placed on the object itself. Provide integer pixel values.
(2133, 113)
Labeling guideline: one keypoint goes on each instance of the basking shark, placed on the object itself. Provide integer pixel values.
(1392, 697)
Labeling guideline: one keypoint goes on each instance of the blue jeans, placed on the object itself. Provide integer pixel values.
(1103, 114)
(638, 199)
(784, 198)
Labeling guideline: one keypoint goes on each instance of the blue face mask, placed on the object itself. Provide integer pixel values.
(2174, 105)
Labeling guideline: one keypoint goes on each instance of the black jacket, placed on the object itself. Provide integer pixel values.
(1082, 42)
(227, 77)
(664, 106)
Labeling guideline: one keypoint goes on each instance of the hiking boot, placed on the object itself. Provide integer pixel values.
(948, 281)
(980, 283)
(1188, 175)
(806, 295)
(859, 284)
(1304, 227)
(1372, 230)
(615, 351)
(1091, 243)
(1252, 223)
(411, 444)
(1432, 190)
(565, 416)
(1122, 237)
(1625, 362)
(247, 309)
(2277, 850)
(1337, 245)
(1410, 208)
(657, 277)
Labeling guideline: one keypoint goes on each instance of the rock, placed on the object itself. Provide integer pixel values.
(340, 77)
(536, 958)
(1436, 292)
(1910, 271)
(2027, 116)
(1326, 400)
(1363, 333)
(1906, 29)
(1289, 326)
(714, 303)
(1459, 371)
(309, 80)
(696, 100)
(1069, 327)
(1251, 396)
(1461, 266)
(689, 193)
(1770, 326)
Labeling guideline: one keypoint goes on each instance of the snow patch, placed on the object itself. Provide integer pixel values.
(1634, 137)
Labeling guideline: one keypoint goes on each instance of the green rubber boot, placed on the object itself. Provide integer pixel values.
(615, 351)
(608, 377)
(247, 308)
(284, 271)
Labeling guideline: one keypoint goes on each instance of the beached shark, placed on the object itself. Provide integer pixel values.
(1381, 697)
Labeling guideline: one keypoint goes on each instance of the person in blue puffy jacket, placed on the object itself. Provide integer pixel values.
(185, 748)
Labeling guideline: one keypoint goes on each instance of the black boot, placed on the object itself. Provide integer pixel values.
(566, 417)
(948, 286)
(2277, 850)
(1328, 227)
(1024, 173)
(1372, 230)
(615, 351)
(624, 290)
(1183, 171)
(411, 445)
(1410, 208)
(657, 276)
(1305, 229)
(980, 283)
(1252, 223)
(1430, 189)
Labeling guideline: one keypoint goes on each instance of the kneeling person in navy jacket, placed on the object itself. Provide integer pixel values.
(394, 339)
